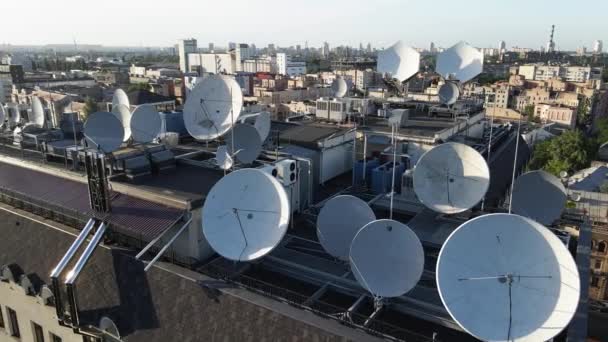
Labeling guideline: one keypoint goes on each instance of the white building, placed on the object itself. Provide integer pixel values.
(579, 74)
(598, 46)
(215, 63)
(287, 67)
(184, 47)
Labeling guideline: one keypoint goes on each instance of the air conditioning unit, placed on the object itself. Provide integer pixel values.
(287, 171)
(271, 170)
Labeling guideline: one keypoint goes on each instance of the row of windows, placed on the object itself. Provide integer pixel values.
(12, 324)
(601, 247)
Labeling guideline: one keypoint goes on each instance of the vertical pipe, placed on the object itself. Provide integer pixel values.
(394, 166)
(364, 156)
(483, 202)
(514, 163)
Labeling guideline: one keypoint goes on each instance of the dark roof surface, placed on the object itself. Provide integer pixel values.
(130, 216)
(139, 97)
(309, 135)
(160, 305)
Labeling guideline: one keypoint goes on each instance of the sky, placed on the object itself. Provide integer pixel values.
(523, 23)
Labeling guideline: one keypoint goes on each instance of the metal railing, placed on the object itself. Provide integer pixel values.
(354, 320)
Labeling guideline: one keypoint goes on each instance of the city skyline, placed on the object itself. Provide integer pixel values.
(340, 22)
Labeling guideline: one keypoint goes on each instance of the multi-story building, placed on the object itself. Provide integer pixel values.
(533, 72)
(285, 66)
(555, 113)
(6, 88)
(184, 47)
(360, 79)
(215, 63)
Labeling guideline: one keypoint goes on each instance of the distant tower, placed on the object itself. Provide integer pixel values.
(432, 48)
(598, 46)
(184, 47)
(551, 43)
(325, 49)
(211, 47)
(502, 46)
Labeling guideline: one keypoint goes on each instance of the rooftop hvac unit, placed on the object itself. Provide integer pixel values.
(270, 169)
(287, 171)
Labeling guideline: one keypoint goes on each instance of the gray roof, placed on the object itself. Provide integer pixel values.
(166, 303)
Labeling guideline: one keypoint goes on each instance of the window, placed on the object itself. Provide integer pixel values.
(598, 264)
(595, 282)
(37, 332)
(601, 247)
(12, 317)
(1, 319)
(55, 338)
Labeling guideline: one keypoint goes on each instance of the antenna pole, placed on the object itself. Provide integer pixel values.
(354, 152)
(483, 202)
(364, 156)
(232, 123)
(514, 163)
(394, 166)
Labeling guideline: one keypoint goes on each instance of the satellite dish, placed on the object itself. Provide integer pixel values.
(449, 93)
(339, 221)
(262, 124)
(339, 87)
(37, 117)
(14, 117)
(145, 124)
(245, 215)
(504, 277)
(120, 98)
(213, 107)
(223, 158)
(399, 61)
(451, 178)
(461, 62)
(540, 196)
(103, 131)
(563, 174)
(2, 115)
(123, 114)
(246, 141)
(576, 197)
(387, 258)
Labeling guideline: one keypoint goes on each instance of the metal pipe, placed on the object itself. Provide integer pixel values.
(394, 166)
(86, 255)
(75, 272)
(514, 163)
(160, 253)
(152, 243)
(364, 156)
(483, 202)
(56, 273)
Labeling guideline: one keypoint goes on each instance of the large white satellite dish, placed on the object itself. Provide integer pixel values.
(339, 87)
(213, 107)
(339, 221)
(120, 98)
(37, 114)
(461, 62)
(263, 125)
(123, 114)
(451, 178)
(387, 258)
(449, 93)
(2, 115)
(103, 131)
(540, 196)
(245, 215)
(223, 158)
(504, 277)
(247, 143)
(145, 124)
(399, 61)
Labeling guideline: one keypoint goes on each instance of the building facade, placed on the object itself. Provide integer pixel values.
(184, 47)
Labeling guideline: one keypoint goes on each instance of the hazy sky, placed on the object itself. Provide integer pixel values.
(524, 23)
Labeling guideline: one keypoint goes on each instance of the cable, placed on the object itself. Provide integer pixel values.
(510, 280)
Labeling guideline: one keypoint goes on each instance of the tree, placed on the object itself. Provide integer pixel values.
(602, 131)
(138, 86)
(604, 187)
(90, 106)
(570, 152)
(582, 113)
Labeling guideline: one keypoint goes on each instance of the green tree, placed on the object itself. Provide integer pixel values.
(570, 152)
(604, 187)
(90, 106)
(582, 113)
(138, 86)
(602, 130)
